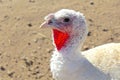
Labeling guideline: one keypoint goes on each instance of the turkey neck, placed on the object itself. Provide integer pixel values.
(68, 51)
(68, 42)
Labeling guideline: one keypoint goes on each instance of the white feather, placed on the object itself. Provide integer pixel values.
(69, 63)
(106, 57)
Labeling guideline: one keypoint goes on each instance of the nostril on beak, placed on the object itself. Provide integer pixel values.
(50, 21)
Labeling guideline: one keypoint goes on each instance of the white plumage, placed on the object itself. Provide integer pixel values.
(68, 62)
(106, 57)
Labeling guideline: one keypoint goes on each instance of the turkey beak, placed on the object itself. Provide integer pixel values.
(43, 24)
(48, 20)
(46, 23)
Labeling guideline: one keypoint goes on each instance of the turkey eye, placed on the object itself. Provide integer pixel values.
(66, 20)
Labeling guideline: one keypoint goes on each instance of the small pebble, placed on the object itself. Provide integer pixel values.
(30, 25)
(35, 73)
(29, 43)
(89, 33)
(112, 39)
(91, 2)
(29, 63)
(17, 18)
(2, 68)
(11, 74)
(36, 40)
(105, 30)
(6, 16)
(86, 48)
(32, 1)
(90, 20)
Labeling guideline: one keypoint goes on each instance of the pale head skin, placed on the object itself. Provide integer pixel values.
(66, 20)
(71, 22)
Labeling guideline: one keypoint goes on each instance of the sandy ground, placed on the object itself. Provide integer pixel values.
(25, 49)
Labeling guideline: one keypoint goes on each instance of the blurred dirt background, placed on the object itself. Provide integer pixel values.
(25, 49)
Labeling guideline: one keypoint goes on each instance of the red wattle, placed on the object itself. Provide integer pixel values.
(59, 38)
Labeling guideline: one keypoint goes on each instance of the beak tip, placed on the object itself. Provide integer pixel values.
(43, 24)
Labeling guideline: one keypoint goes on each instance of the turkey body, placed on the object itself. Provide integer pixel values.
(67, 68)
(107, 58)
(68, 62)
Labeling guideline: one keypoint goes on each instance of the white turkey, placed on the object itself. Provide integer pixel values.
(68, 62)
